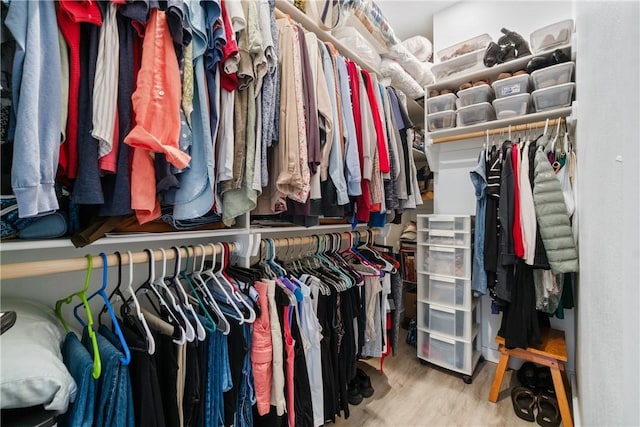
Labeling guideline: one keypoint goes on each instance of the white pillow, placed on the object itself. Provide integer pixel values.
(31, 361)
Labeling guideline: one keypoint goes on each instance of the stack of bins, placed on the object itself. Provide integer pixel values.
(448, 316)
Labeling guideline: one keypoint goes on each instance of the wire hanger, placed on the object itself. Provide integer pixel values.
(97, 364)
(126, 359)
(151, 343)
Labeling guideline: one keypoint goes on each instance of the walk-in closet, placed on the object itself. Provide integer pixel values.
(309, 213)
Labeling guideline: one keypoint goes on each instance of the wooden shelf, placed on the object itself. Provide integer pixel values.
(427, 196)
(467, 132)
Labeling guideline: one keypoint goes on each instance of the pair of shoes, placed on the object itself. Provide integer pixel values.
(510, 46)
(525, 402)
(536, 379)
(543, 61)
(364, 383)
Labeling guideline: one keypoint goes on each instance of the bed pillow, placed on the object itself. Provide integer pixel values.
(31, 361)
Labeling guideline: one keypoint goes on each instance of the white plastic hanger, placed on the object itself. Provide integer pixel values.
(252, 313)
(161, 300)
(199, 281)
(200, 331)
(151, 344)
(188, 332)
(217, 282)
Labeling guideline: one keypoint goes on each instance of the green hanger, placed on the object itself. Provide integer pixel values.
(97, 364)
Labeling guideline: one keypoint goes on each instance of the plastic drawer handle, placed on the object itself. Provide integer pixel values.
(442, 249)
(443, 309)
(443, 279)
(443, 339)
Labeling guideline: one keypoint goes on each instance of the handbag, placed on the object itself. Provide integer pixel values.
(325, 13)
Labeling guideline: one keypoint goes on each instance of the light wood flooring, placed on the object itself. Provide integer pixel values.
(412, 394)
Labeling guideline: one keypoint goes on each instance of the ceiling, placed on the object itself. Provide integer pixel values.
(412, 17)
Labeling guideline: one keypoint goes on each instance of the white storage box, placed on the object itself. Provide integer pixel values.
(552, 76)
(442, 120)
(447, 291)
(477, 43)
(511, 86)
(511, 106)
(446, 321)
(446, 261)
(551, 36)
(446, 352)
(447, 222)
(474, 95)
(466, 63)
(445, 237)
(441, 103)
(477, 113)
(553, 97)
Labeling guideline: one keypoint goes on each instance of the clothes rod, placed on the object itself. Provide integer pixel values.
(502, 130)
(287, 242)
(55, 266)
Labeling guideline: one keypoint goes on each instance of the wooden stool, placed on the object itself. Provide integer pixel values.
(552, 353)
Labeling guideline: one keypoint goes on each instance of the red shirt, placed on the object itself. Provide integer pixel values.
(70, 14)
(228, 82)
(382, 149)
(363, 202)
(518, 243)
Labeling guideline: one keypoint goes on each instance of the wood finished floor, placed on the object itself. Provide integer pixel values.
(412, 394)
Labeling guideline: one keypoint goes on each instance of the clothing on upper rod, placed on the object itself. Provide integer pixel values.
(224, 145)
(525, 248)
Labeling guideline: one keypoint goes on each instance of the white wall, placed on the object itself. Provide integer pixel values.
(608, 353)
(453, 190)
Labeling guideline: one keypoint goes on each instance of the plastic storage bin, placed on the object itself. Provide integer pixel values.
(465, 47)
(447, 321)
(512, 106)
(553, 97)
(447, 222)
(511, 86)
(446, 352)
(552, 76)
(441, 103)
(465, 63)
(447, 291)
(477, 113)
(446, 261)
(551, 36)
(442, 120)
(474, 95)
(445, 237)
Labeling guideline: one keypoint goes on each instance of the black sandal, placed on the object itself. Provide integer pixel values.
(548, 411)
(523, 401)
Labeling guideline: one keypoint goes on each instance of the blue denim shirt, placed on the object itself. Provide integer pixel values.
(336, 157)
(479, 181)
(352, 161)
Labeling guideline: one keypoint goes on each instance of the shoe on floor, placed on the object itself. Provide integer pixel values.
(364, 383)
(353, 393)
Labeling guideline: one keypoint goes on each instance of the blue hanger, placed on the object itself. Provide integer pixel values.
(103, 294)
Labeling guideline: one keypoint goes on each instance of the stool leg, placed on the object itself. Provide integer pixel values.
(497, 379)
(561, 394)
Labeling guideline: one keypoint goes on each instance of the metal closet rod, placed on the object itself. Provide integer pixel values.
(286, 242)
(66, 265)
(481, 133)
